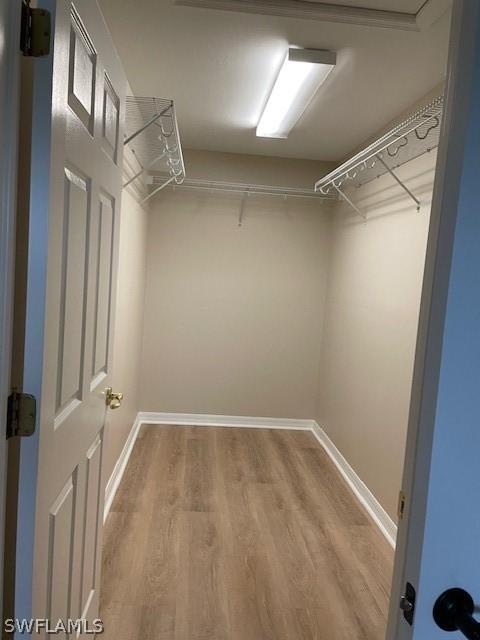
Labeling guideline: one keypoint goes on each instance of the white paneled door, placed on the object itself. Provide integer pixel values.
(79, 96)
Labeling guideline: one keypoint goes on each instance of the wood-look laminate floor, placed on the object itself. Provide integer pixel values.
(240, 534)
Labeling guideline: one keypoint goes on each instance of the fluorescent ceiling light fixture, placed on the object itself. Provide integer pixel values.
(302, 73)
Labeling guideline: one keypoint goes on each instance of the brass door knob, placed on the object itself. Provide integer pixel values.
(113, 400)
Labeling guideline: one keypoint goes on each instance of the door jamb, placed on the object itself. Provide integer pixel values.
(421, 426)
(9, 109)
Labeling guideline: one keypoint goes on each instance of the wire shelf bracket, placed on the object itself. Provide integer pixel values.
(241, 213)
(397, 179)
(413, 137)
(151, 132)
(348, 201)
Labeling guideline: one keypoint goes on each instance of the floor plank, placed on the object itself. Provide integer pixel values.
(240, 534)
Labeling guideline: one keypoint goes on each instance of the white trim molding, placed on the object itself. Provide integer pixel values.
(428, 14)
(120, 466)
(357, 486)
(206, 420)
(313, 11)
(432, 11)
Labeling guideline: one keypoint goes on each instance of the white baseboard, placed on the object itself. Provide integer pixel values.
(205, 420)
(359, 488)
(119, 469)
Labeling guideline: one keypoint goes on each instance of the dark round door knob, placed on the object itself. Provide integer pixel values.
(453, 611)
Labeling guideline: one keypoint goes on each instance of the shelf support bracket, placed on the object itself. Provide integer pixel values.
(148, 166)
(133, 178)
(403, 185)
(241, 213)
(348, 201)
(162, 186)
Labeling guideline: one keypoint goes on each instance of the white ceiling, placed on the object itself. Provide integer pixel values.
(219, 68)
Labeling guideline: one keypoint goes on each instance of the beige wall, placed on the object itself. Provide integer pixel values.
(297, 314)
(239, 167)
(374, 287)
(233, 315)
(129, 326)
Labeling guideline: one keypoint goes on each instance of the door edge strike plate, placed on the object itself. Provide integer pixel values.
(402, 503)
(407, 603)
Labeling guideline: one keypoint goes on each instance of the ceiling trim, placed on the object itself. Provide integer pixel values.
(312, 11)
(431, 12)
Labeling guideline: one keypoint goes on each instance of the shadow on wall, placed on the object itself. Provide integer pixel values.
(388, 199)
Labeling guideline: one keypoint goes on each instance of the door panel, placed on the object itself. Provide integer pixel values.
(60, 551)
(73, 294)
(92, 522)
(103, 284)
(111, 115)
(81, 77)
(84, 111)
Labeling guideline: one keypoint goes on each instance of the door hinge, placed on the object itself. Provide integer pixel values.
(402, 503)
(21, 414)
(36, 30)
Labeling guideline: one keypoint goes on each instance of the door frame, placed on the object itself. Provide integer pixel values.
(421, 426)
(428, 354)
(10, 16)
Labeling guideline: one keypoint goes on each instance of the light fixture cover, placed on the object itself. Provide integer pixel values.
(302, 73)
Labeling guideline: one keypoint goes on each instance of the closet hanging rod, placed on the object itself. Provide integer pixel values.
(242, 188)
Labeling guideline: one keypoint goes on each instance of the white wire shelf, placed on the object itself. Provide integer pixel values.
(410, 139)
(250, 189)
(151, 132)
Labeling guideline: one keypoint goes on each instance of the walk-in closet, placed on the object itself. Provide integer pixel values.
(268, 312)
(254, 278)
